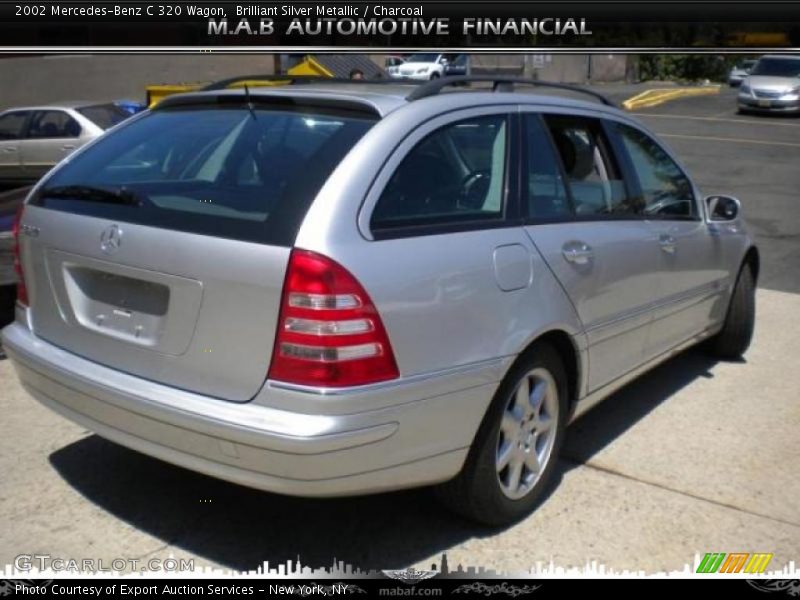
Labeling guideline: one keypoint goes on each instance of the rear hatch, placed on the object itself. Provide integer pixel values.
(161, 249)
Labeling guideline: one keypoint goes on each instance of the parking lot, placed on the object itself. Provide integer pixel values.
(697, 456)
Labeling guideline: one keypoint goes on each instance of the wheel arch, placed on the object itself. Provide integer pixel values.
(752, 258)
(565, 345)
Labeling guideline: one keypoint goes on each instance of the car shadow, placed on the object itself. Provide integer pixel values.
(611, 418)
(240, 527)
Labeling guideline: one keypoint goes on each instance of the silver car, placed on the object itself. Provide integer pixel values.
(333, 289)
(739, 72)
(773, 86)
(34, 139)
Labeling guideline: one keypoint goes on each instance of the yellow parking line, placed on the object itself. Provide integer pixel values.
(656, 96)
(734, 140)
(781, 123)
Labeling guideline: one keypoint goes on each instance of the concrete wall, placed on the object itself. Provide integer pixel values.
(37, 79)
(564, 68)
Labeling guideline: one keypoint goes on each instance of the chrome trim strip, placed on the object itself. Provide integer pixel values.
(708, 289)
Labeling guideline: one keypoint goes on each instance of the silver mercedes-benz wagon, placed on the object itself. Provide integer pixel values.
(339, 288)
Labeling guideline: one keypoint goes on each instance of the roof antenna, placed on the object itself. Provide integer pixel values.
(249, 102)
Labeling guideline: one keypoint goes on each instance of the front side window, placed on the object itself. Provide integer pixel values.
(11, 125)
(456, 174)
(667, 191)
(53, 124)
(594, 178)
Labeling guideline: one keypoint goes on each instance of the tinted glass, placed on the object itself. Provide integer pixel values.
(667, 191)
(225, 172)
(777, 67)
(11, 125)
(595, 181)
(53, 124)
(455, 174)
(105, 116)
(426, 58)
(546, 194)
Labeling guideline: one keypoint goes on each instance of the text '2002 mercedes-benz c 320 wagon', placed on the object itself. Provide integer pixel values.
(332, 289)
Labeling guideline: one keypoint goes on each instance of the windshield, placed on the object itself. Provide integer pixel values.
(423, 58)
(104, 116)
(777, 67)
(222, 171)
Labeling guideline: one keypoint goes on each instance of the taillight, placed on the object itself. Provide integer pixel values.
(22, 291)
(329, 332)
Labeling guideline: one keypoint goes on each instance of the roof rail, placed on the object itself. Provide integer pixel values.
(293, 80)
(499, 84)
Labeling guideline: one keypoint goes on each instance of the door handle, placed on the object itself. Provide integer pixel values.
(667, 243)
(7, 149)
(68, 147)
(578, 253)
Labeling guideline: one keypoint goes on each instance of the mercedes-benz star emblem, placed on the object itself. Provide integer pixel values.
(110, 239)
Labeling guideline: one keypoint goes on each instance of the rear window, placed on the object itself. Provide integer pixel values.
(105, 116)
(222, 171)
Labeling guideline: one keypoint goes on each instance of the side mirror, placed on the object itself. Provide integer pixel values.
(723, 208)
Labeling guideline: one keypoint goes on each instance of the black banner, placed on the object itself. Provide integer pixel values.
(388, 587)
(223, 24)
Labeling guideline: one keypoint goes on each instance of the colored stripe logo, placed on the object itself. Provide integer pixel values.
(737, 562)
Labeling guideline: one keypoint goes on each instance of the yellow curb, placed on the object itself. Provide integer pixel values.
(658, 96)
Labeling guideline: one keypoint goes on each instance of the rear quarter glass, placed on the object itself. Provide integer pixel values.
(222, 171)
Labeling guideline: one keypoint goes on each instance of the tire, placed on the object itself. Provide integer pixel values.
(737, 332)
(484, 490)
(434, 76)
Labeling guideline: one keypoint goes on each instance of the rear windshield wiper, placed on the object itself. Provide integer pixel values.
(89, 193)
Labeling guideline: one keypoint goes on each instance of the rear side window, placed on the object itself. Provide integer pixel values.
(593, 176)
(454, 175)
(52, 124)
(667, 191)
(546, 194)
(11, 125)
(105, 116)
(222, 171)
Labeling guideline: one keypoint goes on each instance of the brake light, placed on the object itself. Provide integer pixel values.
(329, 332)
(22, 291)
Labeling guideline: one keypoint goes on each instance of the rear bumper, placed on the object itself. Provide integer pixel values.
(418, 442)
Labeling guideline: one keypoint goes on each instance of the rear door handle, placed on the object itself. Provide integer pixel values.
(12, 149)
(68, 147)
(667, 243)
(578, 253)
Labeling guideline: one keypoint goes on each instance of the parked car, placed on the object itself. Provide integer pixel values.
(739, 72)
(392, 65)
(10, 203)
(131, 106)
(423, 66)
(773, 86)
(333, 289)
(34, 139)
(457, 65)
